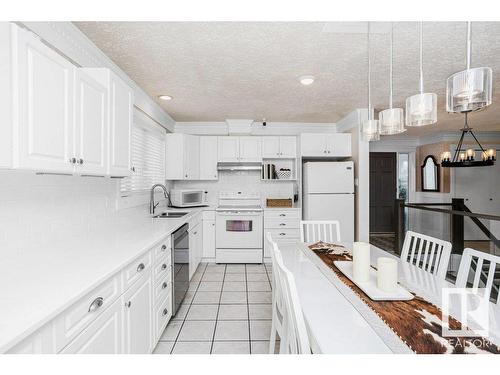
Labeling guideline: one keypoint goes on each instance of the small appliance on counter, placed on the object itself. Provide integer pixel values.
(183, 198)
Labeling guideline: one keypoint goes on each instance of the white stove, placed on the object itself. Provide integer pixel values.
(239, 223)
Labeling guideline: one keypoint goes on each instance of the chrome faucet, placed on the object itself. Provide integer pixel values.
(152, 204)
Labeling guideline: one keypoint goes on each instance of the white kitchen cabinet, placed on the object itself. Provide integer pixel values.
(325, 145)
(284, 226)
(44, 100)
(103, 336)
(208, 234)
(279, 147)
(40, 342)
(208, 158)
(182, 157)
(240, 149)
(137, 302)
(250, 149)
(120, 117)
(229, 149)
(195, 247)
(91, 125)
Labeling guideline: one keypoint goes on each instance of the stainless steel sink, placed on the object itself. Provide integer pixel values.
(170, 215)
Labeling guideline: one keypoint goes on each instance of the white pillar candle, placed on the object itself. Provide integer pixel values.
(361, 261)
(387, 274)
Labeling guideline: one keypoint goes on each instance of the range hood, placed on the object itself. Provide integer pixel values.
(250, 166)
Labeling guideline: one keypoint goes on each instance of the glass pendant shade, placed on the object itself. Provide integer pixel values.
(371, 130)
(421, 109)
(469, 90)
(391, 121)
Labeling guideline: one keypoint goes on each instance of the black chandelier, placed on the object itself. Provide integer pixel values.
(466, 158)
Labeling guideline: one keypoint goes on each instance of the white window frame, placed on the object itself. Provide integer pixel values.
(140, 197)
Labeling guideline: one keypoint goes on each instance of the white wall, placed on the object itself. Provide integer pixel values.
(33, 207)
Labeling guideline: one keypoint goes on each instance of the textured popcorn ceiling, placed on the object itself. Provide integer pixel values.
(220, 70)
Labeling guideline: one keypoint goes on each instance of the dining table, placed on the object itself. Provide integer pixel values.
(338, 323)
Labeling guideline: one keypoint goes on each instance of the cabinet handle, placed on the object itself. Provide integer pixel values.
(282, 214)
(128, 304)
(98, 302)
(132, 169)
(163, 247)
(163, 266)
(282, 234)
(140, 267)
(80, 161)
(164, 285)
(282, 224)
(72, 160)
(186, 176)
(165, 311)
(194, 233)
(329, 151)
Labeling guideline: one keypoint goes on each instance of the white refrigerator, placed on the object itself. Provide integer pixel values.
(329, 194)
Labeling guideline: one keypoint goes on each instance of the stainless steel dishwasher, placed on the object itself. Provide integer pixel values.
(180, 260)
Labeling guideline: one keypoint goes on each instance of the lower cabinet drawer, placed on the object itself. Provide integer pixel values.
(162, 289)
(103, 336)
(283, 234)
(136, 269)
(162, 315)
(281, 223)
(282, 214)
(161, 269)
(73, 320)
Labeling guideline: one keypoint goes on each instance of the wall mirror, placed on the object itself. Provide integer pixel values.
(430, 174)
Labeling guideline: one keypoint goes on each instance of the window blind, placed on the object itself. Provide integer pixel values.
(148, 160)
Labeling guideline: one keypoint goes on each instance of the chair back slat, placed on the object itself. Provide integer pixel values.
(479, 273)
(426, 252)
(314, 230)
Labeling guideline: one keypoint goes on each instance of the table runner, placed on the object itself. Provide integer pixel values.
(404, 326)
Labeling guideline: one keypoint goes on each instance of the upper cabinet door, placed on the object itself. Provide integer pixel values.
(270, 147)
(208, 158)
(313, 145)
(250, 149)
(91, 125)
(192, 157)
(288, 147)
(120, 127)
(338, 145)
(228, 149)
(45, 103)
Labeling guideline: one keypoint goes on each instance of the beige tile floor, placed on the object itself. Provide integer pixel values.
(227, 310)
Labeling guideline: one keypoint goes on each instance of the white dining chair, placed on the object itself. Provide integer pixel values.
(428, 253)
(314, 230)
(479, 270)
(287, 319)
(277, 299)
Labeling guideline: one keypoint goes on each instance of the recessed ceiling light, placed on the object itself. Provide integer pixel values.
(165, 97)
(306, 80)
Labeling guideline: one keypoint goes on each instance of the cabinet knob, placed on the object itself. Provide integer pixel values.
(163, 247)
(164, 285)
(165, 311)
(128, 304)
(72, 160)
(163, 266)
(140, 267)
(80, 161)
(186, 176)
(132, 169)
(98, 302)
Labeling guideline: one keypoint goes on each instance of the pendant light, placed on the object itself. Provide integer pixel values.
(421, 109)
(470, 89)
(370, 127)
(392, 119)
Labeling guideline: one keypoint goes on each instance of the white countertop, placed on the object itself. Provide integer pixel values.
(39, 282)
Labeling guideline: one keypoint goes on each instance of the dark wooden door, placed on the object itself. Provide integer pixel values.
(382, 191)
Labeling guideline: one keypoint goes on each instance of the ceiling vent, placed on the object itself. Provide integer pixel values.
(239, 127)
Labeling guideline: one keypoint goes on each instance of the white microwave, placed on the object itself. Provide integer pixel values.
(187, 198)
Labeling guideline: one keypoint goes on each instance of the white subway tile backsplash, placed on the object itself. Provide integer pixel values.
(34, 206)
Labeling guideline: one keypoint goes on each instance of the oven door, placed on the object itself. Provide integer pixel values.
(239, 229)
